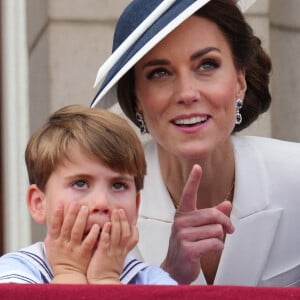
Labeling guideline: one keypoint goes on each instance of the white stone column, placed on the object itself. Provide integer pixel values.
(15, 125)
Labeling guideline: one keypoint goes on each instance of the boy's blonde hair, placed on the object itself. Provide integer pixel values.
(100, 133)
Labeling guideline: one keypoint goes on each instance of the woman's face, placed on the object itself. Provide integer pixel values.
(187, 87)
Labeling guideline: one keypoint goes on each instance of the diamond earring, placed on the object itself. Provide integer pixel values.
(142, 124)
(238, 116)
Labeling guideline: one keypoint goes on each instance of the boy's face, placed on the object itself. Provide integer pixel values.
(86, 180)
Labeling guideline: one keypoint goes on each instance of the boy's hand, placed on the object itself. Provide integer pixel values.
(68, 251)
(117, 239)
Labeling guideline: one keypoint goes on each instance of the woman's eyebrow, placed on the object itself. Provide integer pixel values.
(156, 62)
(161, 62)
(204, 51)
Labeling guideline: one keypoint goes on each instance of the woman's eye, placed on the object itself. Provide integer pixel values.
(157, 73)
(80, 184)
(119, 186)
(208, 65)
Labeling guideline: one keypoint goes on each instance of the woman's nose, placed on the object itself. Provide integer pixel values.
(187, 89)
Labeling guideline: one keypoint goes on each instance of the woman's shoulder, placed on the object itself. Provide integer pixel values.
(267, 154)
(270, 146)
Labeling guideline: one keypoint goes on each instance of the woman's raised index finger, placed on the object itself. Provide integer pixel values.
(189, 195)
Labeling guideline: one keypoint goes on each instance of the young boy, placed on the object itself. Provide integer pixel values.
(86, 167)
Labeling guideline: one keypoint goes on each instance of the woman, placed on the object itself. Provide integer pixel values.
(217, 208)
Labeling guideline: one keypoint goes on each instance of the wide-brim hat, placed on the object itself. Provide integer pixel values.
(141, 26)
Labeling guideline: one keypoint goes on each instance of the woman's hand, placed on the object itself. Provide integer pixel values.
(117, 238)
(68, 251)
(195, 232)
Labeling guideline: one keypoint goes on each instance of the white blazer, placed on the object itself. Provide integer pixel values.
(265, 247)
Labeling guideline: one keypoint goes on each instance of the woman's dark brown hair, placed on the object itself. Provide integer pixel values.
(248, 55)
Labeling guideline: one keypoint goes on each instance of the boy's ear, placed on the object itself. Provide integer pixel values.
(36, 203)
(137, 206)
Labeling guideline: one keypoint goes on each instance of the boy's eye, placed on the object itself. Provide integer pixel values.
(119, 186)
(80, 184)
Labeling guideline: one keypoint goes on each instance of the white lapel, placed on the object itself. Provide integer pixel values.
(156, 211)
(246, 250)
(160, 207)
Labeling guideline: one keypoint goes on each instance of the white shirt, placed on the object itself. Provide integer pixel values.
(30, 265)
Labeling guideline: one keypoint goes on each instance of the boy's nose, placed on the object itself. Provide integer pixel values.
(100, 203)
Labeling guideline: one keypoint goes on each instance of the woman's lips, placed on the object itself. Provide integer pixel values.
(190, 121)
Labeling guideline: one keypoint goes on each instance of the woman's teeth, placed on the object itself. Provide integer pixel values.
(191, 121)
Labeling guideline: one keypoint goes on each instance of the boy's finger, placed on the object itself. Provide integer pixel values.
(115, 229)
(69, 220)
(91, 239)
(105, 238)
(79, 224)
(56, 221)
(125, 227)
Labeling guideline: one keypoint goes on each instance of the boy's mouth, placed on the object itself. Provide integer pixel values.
(88, 231)
(95, 219)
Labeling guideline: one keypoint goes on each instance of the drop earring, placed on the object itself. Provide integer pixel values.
(142, 124)
(238, 116)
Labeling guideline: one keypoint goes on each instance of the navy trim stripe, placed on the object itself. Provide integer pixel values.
(41, 262)
(19, 277)
(130, 262)
(45, 280)
(125, 273)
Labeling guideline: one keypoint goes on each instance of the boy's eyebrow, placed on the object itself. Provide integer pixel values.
(77, 175)
(155, 62)
(116, 176)
(123, 177)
